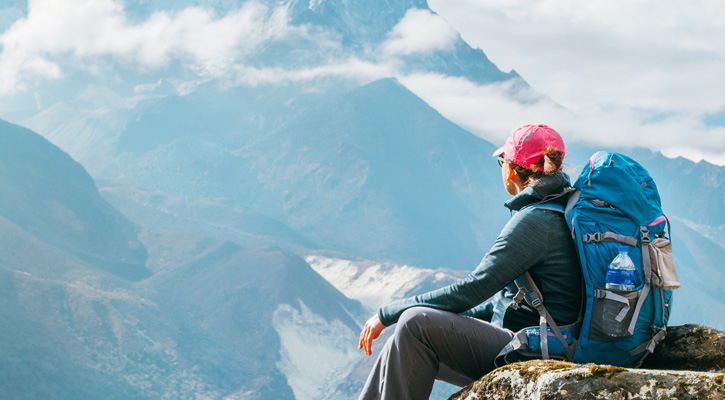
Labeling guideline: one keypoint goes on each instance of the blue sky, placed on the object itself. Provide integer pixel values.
(642, 73)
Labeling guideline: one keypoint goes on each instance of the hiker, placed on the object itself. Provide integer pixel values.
(455, 333)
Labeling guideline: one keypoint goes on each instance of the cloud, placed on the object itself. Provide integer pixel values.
(492, 111)
(638, 74)
(92, 33)
(419, 32)
(648, 54)
(351, 68)
(87, 30)
(649, 66)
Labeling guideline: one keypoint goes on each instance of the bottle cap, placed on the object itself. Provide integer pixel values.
(623, 249)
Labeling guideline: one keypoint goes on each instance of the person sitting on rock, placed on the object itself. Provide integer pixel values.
(454, 333)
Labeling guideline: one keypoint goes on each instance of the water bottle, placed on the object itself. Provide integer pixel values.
(620, 273)
(620, 277)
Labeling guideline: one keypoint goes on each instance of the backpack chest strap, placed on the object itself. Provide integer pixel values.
(609, 237)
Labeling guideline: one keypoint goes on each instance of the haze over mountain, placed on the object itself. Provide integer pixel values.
(192, 316)
(186, 269)
(50, 196)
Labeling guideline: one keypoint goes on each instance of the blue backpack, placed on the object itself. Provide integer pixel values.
(615, 203)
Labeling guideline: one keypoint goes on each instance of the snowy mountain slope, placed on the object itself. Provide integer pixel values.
(273, 327)
(375, 284)
(315, 355)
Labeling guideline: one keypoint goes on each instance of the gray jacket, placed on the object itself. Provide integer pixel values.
(535, 240)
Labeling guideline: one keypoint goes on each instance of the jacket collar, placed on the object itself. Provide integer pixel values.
(537, 191)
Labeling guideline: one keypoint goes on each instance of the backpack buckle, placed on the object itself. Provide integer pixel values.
(644, 235)
(520, 295)
(592, 237)
(536, 301)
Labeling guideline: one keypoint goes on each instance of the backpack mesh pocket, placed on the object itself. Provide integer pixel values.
(612, 313)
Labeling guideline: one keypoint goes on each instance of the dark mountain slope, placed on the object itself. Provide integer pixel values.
(378, 173)
(46, 193)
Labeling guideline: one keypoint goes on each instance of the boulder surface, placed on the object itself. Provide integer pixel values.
(688, 364)
(552, 380)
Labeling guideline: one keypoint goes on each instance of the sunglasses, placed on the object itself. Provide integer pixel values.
(501, 161)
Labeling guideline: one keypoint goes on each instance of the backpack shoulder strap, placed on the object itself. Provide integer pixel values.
(547, 202)
(530, 292)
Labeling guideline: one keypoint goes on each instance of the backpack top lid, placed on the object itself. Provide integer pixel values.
(624, 184)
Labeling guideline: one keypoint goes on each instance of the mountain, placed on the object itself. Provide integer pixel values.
(401, 181)
(67, 259)
(189, 267)
(360, 27)
(265, 323)
(194, 317)
(375, 284)
(213, 141)
(324, 166)
(50, 196)
(215, 218)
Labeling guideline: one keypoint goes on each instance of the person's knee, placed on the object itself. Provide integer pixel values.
(412, 320)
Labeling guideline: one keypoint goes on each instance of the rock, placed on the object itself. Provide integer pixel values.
(551, 380)
(688, 364)
(689, 347)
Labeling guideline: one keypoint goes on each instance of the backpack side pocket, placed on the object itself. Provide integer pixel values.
(663, 266)
(612, 313)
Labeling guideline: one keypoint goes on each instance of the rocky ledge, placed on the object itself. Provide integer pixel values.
(689, 364)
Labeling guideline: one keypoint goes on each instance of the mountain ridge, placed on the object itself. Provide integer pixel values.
(48, 194)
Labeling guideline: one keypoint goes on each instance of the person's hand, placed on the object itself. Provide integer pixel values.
(370, 332)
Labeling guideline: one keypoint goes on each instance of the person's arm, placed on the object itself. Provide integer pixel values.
(521, 245)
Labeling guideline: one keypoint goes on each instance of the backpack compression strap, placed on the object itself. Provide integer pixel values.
(659, 333)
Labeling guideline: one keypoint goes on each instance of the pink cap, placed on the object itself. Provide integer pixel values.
(526, 144)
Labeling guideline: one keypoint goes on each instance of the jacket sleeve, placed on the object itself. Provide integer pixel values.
(521, 244)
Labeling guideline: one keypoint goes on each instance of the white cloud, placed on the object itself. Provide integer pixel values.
(619, 68)
(352, 68)
(665, 55)
(617, 62)
(492, 111)
(419, 31)
(90, 29)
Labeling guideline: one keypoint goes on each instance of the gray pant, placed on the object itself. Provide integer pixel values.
(430, 344)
